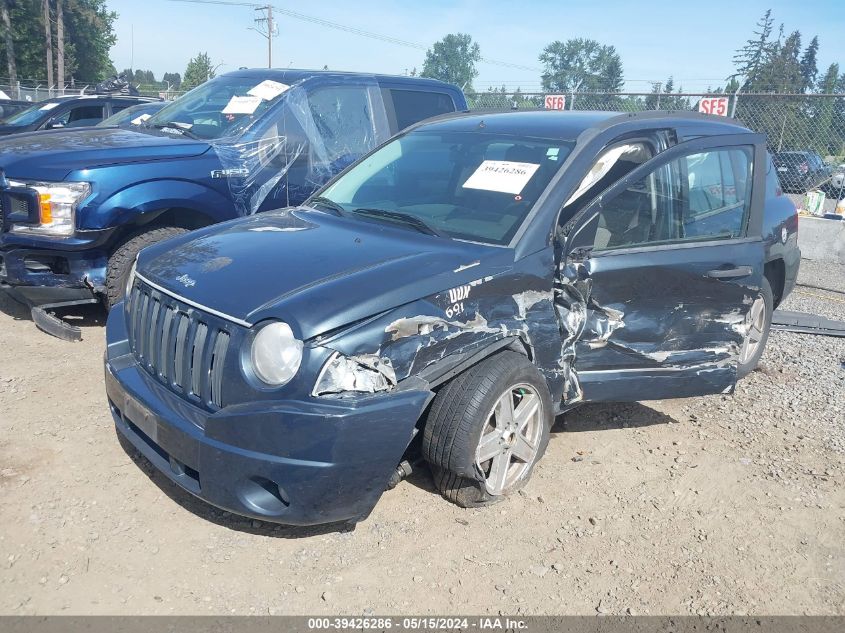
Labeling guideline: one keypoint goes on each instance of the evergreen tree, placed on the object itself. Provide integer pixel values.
(809, 69)
(751, 57)
(199, 71)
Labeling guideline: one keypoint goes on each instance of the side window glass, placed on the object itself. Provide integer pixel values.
(343, 118)
(412, 106)
(700, 196)
(719, 193)
(79, 116)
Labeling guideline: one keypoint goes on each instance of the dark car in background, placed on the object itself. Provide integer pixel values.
(133, 115)
(244, 142)
(8, 107)
(801, 171)
(67, 112)
(446, 296)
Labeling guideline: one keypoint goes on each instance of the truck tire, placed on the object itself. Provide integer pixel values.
(486, 430)
(121, 260)
(758, 322)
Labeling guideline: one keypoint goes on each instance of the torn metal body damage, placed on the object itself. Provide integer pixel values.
(565, 327)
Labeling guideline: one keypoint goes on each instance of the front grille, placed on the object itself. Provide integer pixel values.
(184, 348)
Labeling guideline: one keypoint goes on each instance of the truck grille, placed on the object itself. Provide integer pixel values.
(184, 348)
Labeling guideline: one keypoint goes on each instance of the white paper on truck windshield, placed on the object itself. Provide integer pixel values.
(242, 105)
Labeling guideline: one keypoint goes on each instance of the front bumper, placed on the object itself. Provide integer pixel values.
(294, 462)
(49, 271)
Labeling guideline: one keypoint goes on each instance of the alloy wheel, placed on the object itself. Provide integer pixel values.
(755, 322)
(510, 439)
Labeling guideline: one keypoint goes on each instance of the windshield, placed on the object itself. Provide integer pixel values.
(224, 106)
(31, 114)
(466, 185)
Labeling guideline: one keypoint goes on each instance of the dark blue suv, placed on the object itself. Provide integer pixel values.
(446, 297)
(77, 206)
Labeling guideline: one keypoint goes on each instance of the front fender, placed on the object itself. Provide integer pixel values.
(430, 337)
(128, 204)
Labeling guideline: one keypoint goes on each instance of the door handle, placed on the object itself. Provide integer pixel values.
(730, 273)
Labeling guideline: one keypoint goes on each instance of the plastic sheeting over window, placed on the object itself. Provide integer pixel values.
(312, 134)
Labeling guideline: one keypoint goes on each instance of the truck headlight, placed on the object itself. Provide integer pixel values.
(366, 373)
(275, 354)
(57, 203)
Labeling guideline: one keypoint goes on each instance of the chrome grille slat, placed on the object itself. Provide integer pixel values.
(164, 344)
(218, 354)
(196, 360)
(179, 351)
(179, 345)
(152, 335)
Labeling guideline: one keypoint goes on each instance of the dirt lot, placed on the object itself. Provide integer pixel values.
(716, 505)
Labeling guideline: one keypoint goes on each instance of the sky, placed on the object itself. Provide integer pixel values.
(693, 42)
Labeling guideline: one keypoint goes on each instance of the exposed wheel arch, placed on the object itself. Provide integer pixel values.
(775, 273)
(181, 217)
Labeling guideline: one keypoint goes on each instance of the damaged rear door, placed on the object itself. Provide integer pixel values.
(660, 271)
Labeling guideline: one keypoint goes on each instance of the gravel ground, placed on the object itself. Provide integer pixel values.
(712, 505)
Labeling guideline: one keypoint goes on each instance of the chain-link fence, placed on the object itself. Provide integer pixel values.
(39, 91)
(806, 133)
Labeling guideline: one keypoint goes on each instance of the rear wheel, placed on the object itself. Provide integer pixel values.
(487, 429)
(757, 324)
(121, 260)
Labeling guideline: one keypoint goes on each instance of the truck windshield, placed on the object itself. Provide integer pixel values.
(31, 114)
(222, 107)
(466, 185)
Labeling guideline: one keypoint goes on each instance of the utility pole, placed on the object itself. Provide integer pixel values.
(268, 23)
(48, 36)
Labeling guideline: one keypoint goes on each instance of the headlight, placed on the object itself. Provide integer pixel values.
(275, 354)
(57, 202)
(367, 373)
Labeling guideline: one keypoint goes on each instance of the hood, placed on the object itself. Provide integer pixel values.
(314, 271)
(53, 154)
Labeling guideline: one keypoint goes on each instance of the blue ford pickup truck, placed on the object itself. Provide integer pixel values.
(77, 206)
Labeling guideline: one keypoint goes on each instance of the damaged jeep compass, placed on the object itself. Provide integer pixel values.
(446, 297)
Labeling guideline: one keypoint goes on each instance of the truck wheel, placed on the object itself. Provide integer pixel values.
(121, 260)
(486, 430)
(758, 321)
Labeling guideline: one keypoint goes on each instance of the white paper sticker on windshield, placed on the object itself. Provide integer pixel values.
(268, 89)
(242, 105)
(140, 119)
(48, 106)
(503, 176)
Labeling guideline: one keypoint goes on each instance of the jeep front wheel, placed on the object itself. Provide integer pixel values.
(487, 429)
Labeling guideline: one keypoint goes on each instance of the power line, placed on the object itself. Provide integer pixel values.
(354, 30)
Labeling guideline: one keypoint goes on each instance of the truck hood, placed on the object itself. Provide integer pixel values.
(314, 271)
(53, 154)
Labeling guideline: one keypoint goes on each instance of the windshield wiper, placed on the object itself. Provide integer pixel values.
(328, 203)
(398, 216)
(177, 125)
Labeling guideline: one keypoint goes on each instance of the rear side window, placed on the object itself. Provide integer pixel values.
(412, 106)
(79, 116)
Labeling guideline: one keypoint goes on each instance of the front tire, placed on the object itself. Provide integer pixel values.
(487, 429)
(757, 323)
(121, 260)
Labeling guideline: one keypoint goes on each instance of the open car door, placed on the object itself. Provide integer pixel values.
(659, 273)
